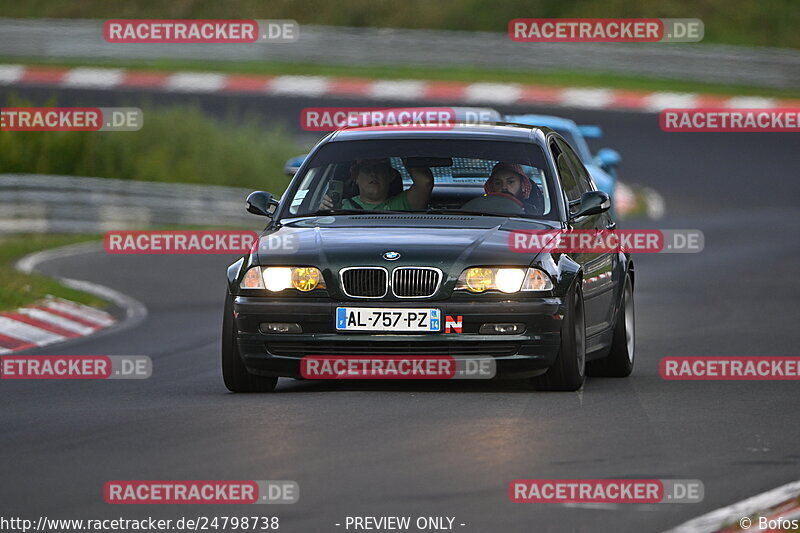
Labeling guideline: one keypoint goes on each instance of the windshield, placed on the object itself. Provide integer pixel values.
(424, 175)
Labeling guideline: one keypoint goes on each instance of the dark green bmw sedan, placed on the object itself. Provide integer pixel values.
(393, 242)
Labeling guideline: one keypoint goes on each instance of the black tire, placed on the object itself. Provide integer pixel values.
(568, 372)
(619, 361)
(234, 373)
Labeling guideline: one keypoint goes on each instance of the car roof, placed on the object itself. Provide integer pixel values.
(500, 132)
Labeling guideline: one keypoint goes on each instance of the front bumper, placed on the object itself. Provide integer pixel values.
(520, 355)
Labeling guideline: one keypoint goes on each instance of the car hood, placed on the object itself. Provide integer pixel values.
(450, 243)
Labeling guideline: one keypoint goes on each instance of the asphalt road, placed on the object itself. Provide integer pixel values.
(446, 449)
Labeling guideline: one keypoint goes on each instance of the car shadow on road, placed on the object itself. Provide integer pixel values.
(403, 385)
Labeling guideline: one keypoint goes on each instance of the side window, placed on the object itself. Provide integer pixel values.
(565, 172)
(311, 189)
(303, 190)
(584, 180)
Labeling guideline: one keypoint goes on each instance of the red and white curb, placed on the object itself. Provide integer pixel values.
(780, 503)
(626, 200)
(49, 321)
(372, 89)
(55, 320)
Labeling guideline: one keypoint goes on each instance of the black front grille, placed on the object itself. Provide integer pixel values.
(364, 282)
(414, 282)
(302, 349)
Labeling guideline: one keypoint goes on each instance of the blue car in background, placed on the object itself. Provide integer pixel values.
(473, 115)
(602, 166)
(293, 165)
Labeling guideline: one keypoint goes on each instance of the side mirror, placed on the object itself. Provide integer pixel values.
(607, 158)
(293, 165)
(591, 203)
(261, 203)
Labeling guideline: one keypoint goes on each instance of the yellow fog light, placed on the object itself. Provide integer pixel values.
(479, 279)
(307, 279)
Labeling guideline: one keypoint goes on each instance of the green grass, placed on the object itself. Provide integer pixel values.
(174, 145)
(459, 74)
(19, 289)
(747, 22)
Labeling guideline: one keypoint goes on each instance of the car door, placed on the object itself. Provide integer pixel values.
(598, 268)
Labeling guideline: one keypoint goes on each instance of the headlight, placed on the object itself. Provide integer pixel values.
(276, 279)
(477, 279)
(306, 278)
(508, 280)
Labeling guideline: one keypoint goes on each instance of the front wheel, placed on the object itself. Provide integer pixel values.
(234, 373)
(568, 372)
(619, 361)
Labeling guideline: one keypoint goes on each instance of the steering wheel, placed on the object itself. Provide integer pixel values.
(506, 195)
(496, 202)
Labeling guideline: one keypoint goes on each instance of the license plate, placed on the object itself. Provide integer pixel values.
(387, 319)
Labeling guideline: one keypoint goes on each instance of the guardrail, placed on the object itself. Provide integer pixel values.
(82, 39)
(67, 204)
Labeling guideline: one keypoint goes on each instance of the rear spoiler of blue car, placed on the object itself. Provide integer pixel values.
(590, 132)
(293, 165)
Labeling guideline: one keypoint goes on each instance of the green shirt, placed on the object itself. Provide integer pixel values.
(398, 202)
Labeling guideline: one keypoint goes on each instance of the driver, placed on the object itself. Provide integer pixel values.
(374, 178)
(509, 178)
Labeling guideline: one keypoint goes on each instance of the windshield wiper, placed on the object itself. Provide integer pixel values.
(463, 212)
(327, 212)
(324, 212)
